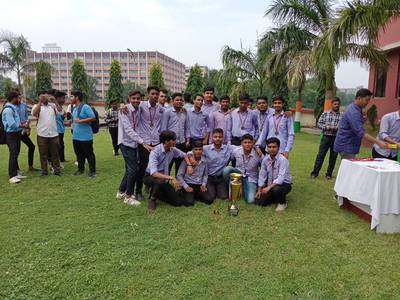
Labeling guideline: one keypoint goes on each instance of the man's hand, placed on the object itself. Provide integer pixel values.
(258, 194)
(189, 189)
(193, 162)
(187, 144)
(382, 144)
(148, 147)
(259, 152)
(189, 170)
(124, 109)
(176, 184)
(203, 188)
(77, 120)
(288, 114)
(265, 190)
(286, 154)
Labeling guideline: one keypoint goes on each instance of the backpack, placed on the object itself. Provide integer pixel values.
(94, 124)
(3, 133)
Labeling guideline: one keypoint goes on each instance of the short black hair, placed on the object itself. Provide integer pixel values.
(218, 130)
(361, 93)
(51, 92)
(166, 136)
(11, 95)
(262, 98)
(60, 94)
(224, 97)
(198, 95)
(77, 93)
(336, 99)
(244, 96)
(112, 101)
(197, 144)
(247, 136)
(164, 91)
(135, 92)
(273, 140)
(153, 87)
(208, 89)
(278, 98)
(174, 95)
(41, 92)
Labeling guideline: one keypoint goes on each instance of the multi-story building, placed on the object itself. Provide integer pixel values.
(135, 67)
(205, 71)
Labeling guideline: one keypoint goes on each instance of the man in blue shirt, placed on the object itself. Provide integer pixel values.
(274, 180)
(157, 172)
(13, 127)
(351, 128)
(82, 137)
(60, 101)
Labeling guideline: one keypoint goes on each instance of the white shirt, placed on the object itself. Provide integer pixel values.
(47, 122)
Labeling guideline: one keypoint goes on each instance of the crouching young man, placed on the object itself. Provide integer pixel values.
(157, 172)
(195, 184)
(274, 180)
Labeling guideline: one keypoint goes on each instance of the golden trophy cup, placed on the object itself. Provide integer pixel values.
(235, 185)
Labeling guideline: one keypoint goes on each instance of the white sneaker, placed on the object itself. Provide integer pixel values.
(20, 176)
(76, 163)
(14, 179)
(132, 201)
(281, 207)
(120, 195)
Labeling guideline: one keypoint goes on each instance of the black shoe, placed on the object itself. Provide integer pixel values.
(78, 173)
(57, 173)
(139, 197)
(44, 173)
(313, 176)
(152, 204)
(33, 169)
(92, 174)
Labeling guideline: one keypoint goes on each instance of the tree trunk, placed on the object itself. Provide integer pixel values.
(19, 78)
(329, 88)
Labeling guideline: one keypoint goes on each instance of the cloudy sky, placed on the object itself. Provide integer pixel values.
(191, 31)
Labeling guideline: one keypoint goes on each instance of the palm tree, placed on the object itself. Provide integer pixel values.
(246, 65)
(14, 58)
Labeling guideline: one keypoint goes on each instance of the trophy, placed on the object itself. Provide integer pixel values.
(235, 184)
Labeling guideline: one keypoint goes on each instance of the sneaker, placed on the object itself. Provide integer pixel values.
(139, 197)
(115, 153)
(14, 179)
(132, 201)
(328, 177)
(78, 173)
(76, 163)
(20, 176)
(92, 174)
(313, 176)
(152, 204)
(19, 173)
(120, 195)
(281, 207)
(44, 173)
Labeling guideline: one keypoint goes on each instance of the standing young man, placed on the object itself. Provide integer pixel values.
(247, 164)
(329, 124)
(47, 133)
(243, 120)
(199, 121)
(263, 112)
(111, 119)
(149, 128)
(217, 156)
(209, 105)
(175, 119)
(157, 174)
(195, 185)
(13, 127)
(128, 140)
(163, 98)
(351, 128)
(274, 181)
(222, 119)
(389, 132)
(278, 125)
(60, 100)
(82, 137)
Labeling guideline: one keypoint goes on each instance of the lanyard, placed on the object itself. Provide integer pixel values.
(134, 119)
(245, 163)
(272, 165)
(277, 123)
(242, 122)
(152, 116)
(262, 120)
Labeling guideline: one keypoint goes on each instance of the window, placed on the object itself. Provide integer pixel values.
(398, 82)
(380, 84)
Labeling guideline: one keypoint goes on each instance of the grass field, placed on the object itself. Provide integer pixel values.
(68, 237)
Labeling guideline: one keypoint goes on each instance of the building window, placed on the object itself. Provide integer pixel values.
(380, 84)
(398, 82)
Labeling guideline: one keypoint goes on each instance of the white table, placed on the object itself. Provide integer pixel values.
(374, 187)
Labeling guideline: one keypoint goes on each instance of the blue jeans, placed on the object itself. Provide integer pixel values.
(249, 188)
(131, 168)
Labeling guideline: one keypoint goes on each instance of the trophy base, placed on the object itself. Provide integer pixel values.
(233, 210)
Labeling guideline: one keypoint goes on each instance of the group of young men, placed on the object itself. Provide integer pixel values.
(50, 125)
(201, 141)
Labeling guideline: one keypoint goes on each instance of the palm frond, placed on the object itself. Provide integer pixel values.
(243, 61)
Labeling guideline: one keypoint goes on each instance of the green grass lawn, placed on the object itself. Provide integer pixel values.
(68, 237)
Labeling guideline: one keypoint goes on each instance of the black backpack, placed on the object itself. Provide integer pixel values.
(94, 124)
(3, 133)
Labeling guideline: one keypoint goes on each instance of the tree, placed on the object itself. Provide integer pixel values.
(6, 85)
(195, 82)
(129, 86)
(92, 82)
(43, 76)
(79, 78)
(115, 89)
(13, 58)
(156, 76)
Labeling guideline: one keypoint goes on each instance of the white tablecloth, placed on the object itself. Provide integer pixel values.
(373, 183)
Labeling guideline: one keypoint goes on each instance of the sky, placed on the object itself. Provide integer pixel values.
(190, 31)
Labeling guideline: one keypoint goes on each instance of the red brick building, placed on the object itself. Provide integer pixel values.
(386, 85)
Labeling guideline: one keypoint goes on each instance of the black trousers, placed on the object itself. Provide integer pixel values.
(31, 148)
(84, 150)
(326, 144)
(143, 162)
(236, 141)
(114, 137)
(375, 154)
(196, 195)
(13, 140)
(217, 187)
(61, 149)
(160, 189)
(276, 195)
(178, 160)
